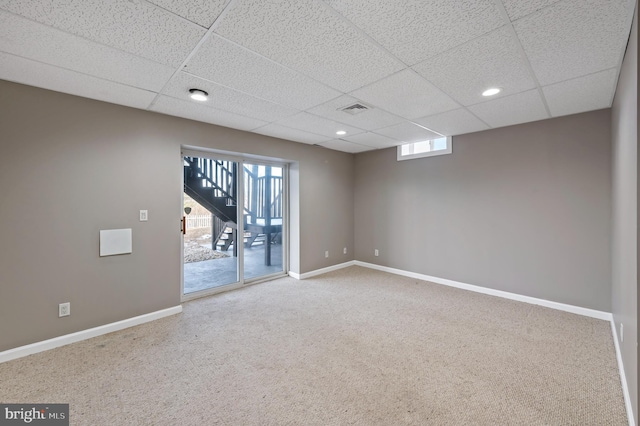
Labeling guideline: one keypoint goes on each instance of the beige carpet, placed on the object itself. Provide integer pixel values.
(353, 347)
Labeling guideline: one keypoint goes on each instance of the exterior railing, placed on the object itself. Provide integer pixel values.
(262, 195)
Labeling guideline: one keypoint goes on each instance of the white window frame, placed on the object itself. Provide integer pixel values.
(430, 153)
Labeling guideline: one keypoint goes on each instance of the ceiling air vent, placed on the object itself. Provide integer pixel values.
(354, 109)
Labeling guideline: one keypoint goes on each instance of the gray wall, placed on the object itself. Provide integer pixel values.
(72, 166)
(524, 209)
(624, 237)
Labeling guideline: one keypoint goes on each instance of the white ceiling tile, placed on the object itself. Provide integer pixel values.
(407, 132)
(519, 8)
(373, 140)
(226, 99)
(276, 58)
(306, 36)
(282, 132)
(415, 30)
(202, 12)
(318, 125)
(192, 111)
(32, 40)
(26, 71)
(231, 65)
(372, 119)
(581, 94)
(493, 60)
(135, 27)
(575, 37)
(456, 122)
(514, 109)
(344, 146)
(407, 95)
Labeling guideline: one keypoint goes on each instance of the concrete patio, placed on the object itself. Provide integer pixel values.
(212, 273)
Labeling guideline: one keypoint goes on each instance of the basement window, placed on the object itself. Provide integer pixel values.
(427, 148)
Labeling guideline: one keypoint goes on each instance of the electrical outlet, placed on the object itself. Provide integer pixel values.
(326, 253)
(64, 309)
(376, 252)
(144, 215)
(621, 332)
(344, 250)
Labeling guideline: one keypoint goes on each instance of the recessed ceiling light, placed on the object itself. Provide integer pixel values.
(341, 132)
(490, 92)
(198, 95)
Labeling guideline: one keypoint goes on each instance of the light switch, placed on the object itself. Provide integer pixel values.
(144, 215)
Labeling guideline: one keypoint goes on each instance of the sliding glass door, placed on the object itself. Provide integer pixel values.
(210, 203)
(233, 222)
(263, 219)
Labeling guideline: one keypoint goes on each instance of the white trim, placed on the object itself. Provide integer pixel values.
(211, 291)
(623, 377)
(56, 342)
(294, 275)
(321, 271)
(499, 293)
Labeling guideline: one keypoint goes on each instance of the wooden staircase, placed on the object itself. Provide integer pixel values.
(211, 183)
(226, 239)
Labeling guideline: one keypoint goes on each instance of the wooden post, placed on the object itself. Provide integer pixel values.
(253, 202)
(214, 235)
(267, 215)
(235, 241)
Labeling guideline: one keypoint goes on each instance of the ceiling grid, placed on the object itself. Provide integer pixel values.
(286, 68)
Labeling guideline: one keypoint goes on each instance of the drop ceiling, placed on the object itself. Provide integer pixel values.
(287, 68)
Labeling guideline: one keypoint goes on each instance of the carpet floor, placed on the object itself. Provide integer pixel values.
(352, 347)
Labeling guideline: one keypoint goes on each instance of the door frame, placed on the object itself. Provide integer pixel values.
(240, 159)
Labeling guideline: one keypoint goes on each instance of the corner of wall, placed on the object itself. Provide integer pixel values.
(294, 217)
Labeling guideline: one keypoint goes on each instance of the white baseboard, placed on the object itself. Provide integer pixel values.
(56, 342)
(321, 271)
(623, 376)
(499, 293)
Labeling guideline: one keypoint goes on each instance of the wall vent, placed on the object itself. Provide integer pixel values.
(355, 109)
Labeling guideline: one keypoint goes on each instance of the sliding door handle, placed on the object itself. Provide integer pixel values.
(184, 225)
